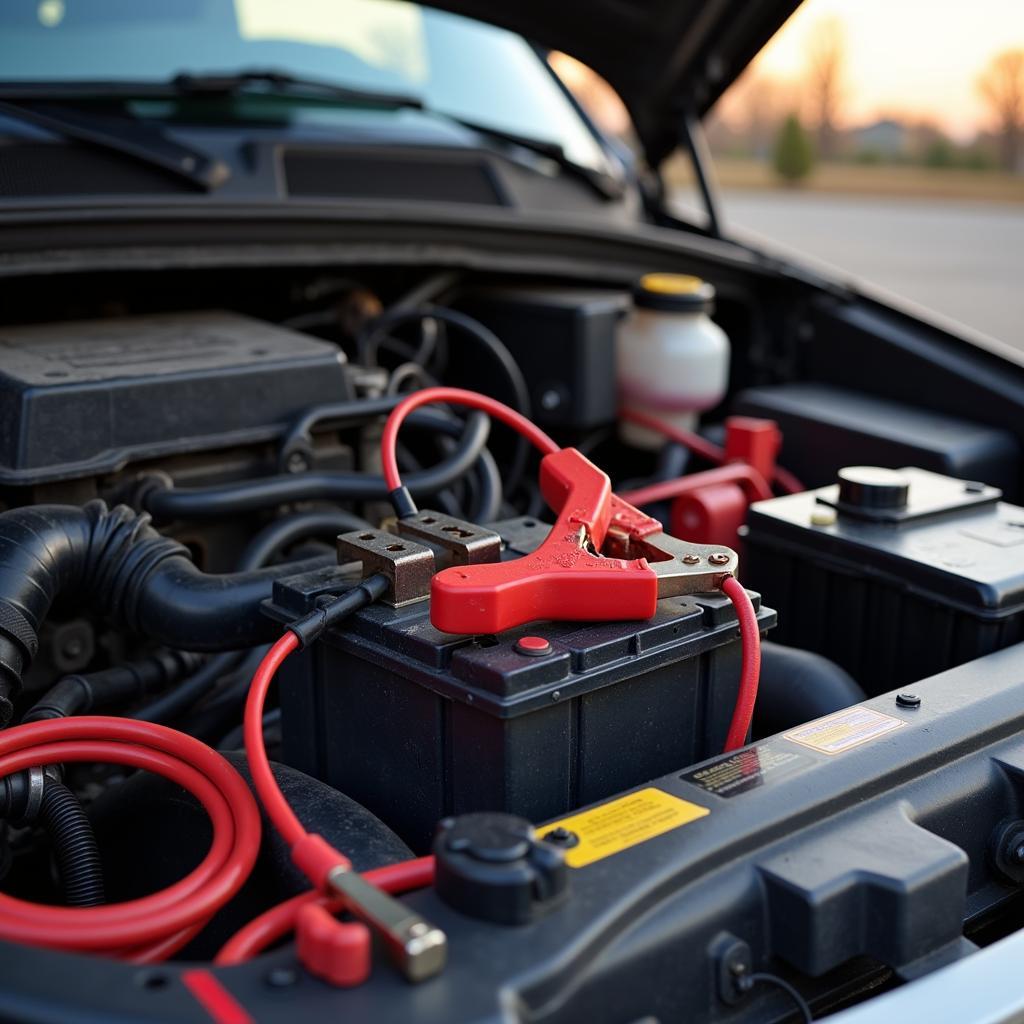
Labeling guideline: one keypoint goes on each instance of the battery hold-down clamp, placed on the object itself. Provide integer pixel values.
(603, 560)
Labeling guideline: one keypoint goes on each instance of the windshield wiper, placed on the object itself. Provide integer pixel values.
(280, 81)
(283, 83)
(136, 139)
(199, 84)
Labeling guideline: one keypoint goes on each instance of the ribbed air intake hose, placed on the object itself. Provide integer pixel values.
(115, 563)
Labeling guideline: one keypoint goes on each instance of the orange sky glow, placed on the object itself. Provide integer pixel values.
(917, 59)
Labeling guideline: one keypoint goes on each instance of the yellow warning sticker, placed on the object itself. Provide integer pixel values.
(843, 730)
(620, 824)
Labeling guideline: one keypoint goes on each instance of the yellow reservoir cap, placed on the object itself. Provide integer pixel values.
(671, 284)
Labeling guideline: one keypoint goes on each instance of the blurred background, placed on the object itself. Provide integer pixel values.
(884, 138)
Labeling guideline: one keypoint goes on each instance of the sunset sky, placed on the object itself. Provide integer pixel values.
(908, 57)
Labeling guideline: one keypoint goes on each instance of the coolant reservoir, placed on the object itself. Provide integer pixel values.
(673, 360)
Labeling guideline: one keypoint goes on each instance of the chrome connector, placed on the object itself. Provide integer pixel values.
(681, 567)
(418, 948)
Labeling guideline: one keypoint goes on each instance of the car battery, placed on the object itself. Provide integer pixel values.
(895, 574)
(416, 724)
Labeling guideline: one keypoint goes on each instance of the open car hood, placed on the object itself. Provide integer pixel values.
(665, 58)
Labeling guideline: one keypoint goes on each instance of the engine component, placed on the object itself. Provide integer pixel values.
(826, 428)
(132, 574)
(80, 694)
(533, 721)
(673, 359)
(895, 575)
(564, 342)
(88, 397)
(491, 867)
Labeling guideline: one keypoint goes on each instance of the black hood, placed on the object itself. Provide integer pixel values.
(665, 58)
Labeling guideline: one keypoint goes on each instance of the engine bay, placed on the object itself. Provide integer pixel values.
(581, 647)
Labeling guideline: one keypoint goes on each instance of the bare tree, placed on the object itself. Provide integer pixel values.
(826, 61)
(762, 114)
(1002, 86)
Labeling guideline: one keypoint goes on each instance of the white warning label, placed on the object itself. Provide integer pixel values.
(843, 730)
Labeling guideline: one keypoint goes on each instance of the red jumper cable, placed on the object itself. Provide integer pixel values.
(603, 559)
(567, 577)
(153, 927)
(338, 951)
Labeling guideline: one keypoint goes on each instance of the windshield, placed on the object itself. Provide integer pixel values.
(462, 67)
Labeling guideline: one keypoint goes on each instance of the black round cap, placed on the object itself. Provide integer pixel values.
(871, 487)
(674, 293)
(491, 866)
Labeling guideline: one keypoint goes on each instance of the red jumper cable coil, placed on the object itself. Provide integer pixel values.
(153, 927)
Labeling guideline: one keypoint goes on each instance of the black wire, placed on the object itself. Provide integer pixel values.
(747, 982)
(371, 335)
(226, 704)
(225, 500)
(177, 701)
(235, 739)
(489, 490)
(274, 538)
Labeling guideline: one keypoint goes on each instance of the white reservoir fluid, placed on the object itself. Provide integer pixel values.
(673, 359)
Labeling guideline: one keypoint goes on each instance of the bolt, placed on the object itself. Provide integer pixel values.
(556, 694)
(1018, 854)
(718, 558)
(691, 559)
(550, 400)
(297, 463)
(561, 836)
(281, 977)
(908, 700)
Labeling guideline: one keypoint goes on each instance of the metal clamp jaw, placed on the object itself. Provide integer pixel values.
(603, 560)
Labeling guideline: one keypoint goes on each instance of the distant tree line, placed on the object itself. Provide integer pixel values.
(793, 128)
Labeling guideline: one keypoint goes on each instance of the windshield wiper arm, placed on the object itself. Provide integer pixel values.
(199, 84)
(608, 185)
(206, 84)
(212, 84)
(136, 139)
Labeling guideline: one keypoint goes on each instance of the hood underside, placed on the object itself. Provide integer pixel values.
(665, 58)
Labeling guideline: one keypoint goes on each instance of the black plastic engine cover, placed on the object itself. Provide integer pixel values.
(90, 396)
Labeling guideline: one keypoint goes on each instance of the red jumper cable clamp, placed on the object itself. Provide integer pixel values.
(602, 560)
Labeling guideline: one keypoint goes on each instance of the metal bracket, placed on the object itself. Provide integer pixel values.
(408, 566)
(454, 542)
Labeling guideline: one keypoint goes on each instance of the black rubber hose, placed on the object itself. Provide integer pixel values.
(377, 328)
(181, 606)
(74, 845)
(490, 492)
(175, 702)
(255, 495)
(114, 562)
(279, 534)
(260, 550)
(797, 686)
(81, 694)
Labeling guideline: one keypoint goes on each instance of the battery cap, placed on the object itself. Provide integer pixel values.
(872, 487)
(490, 866)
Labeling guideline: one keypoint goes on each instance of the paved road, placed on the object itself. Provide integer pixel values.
(962, 259)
